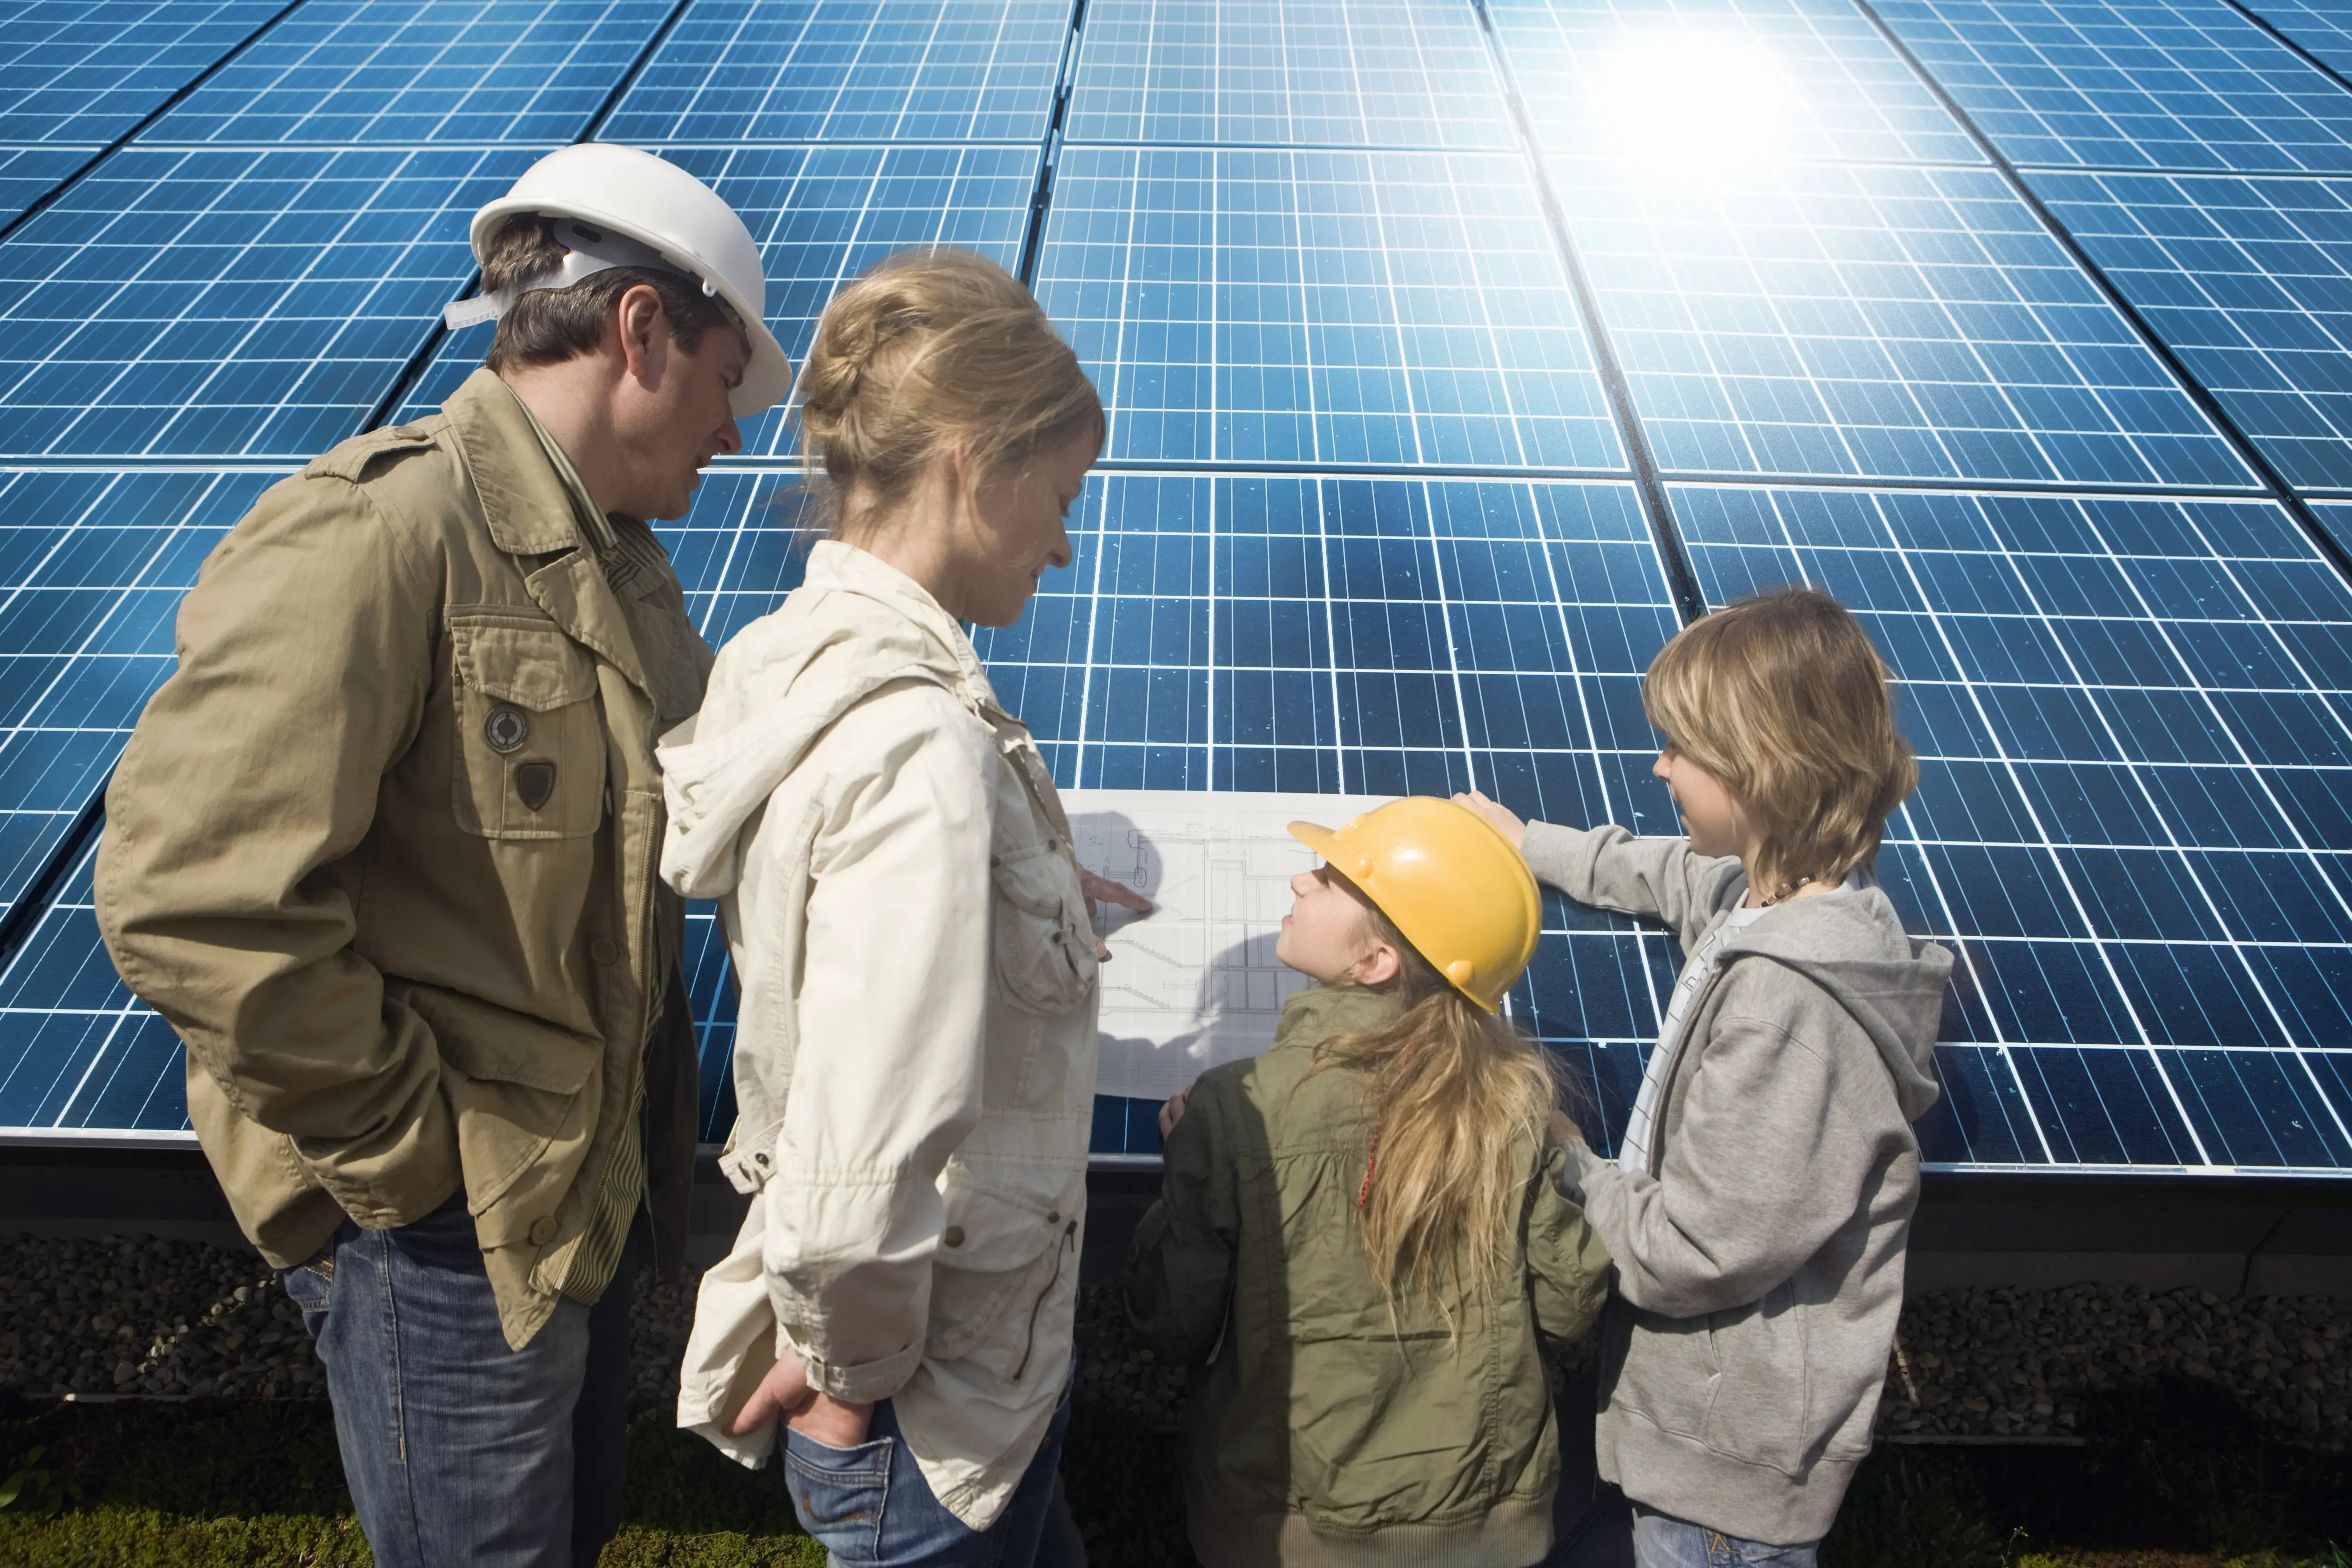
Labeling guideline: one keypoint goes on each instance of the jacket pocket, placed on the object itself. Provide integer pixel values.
(531, 744)
(519, 1091)
(1043, 943)
(1760, 1407)
(999, 1257)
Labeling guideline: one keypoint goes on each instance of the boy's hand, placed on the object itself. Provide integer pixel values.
(1566, 1131)
(1102, 890)
(1171, 1112)
(1504, 820)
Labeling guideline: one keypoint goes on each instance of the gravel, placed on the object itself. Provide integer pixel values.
(177, 1318)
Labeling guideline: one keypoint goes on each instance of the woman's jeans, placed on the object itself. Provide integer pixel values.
(870, 1506)
(1662, 1540)
(459, 1449)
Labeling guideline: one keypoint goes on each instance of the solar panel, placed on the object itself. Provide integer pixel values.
(867, 70)
(821, 215)
(28, 173)
(1800, 79)
(2249, 282)
(252, 302)
(405, 73)
(2323, 29)
(88, 71)
(92, 565)
(1287, 73)
(2136, 84)
(1322, 307)
(2137, 780)
(1864, 321)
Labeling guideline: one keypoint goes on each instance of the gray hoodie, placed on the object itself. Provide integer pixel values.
(1760, 1259)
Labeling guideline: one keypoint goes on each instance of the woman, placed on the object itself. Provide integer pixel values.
(914, 1060)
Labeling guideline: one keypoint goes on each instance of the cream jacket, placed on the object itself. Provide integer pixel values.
(914, 1060)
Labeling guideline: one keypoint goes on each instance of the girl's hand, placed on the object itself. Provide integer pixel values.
(1171, 1112)
(785, 1394)
(1102, 890)
(1503, 819)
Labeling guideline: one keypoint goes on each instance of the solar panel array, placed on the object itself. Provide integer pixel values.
(1454, 355)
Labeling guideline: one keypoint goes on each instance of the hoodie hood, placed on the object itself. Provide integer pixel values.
(854, 626)
(1853, 947)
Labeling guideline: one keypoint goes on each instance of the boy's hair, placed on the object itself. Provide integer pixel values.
(1460, 1094)
(1783, 700)
(549, 326)
(923, 351)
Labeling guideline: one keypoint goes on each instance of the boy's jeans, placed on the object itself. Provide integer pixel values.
(459, 1449)
(870, 1506)
(1662, 1540)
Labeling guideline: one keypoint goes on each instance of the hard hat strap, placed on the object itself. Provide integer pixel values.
(588, 251)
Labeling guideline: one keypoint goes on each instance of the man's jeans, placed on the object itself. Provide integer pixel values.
(459, 1449)
(869, 1505)
(1662, 1540)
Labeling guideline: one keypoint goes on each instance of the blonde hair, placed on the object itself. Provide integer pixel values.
(1783, 700)
(1461, 1097)
(924, 352)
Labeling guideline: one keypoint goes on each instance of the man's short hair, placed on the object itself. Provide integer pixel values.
(1783, 699)
(549, 326)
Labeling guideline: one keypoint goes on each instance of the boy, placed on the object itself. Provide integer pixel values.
(1759, 1208)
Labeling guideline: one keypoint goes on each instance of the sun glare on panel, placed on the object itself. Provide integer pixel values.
(1688, 105)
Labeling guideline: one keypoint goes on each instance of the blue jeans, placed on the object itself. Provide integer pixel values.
(1662, 1540)
(459, 1449)
(869, 1506)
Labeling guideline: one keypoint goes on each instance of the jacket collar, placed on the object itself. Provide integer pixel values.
(845, 568)
(530, 512)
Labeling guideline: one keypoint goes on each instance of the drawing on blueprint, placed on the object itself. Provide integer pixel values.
(1195, 982)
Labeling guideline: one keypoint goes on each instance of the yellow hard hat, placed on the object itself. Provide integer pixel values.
(1449, 882)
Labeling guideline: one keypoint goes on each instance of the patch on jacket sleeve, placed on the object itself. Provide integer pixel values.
(350, 459)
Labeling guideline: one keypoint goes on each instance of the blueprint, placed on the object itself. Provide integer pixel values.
(1195, 982)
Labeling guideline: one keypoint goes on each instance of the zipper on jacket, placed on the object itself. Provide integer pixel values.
(1029, 1349)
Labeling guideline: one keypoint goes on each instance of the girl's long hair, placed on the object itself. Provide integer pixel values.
(1463, 1097)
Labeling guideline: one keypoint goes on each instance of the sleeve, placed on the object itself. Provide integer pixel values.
(305, 656)
(1610, 868)
(1765, 1166)
(1179, 1269)
(1568, 1268)
(892, 1009)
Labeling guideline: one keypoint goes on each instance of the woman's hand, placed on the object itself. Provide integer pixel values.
(1171, 1112)
(1102, 890)
(785, 1394)
(1502, 817)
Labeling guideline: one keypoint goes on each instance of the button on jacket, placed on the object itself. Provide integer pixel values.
(383, 850)
(914, 1059)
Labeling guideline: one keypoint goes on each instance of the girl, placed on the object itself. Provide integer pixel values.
(1361, 1232)
(915, 1062)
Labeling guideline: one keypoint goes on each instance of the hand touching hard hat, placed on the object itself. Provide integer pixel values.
(1448, 881)
(619, 207)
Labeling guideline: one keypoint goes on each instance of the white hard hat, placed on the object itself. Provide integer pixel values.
(628, 208)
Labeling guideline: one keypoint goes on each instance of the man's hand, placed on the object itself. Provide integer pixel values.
(1503, 819)
(1102, 890)
(1172, 1112)
(785, 1394)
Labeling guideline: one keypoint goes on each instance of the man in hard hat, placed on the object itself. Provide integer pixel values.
(382, 849)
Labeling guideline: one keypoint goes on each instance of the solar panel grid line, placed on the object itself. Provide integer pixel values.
(2320, 30)
(2300, 50)
(2248, 450)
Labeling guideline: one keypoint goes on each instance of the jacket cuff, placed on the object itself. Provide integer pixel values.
(856, 1383)
(1583, 1164)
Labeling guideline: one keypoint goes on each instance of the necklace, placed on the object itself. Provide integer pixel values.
(1788, 891)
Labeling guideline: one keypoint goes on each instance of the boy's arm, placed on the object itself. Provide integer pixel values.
(1568, 1268)
(1610, 867)
(1767, 1162)
(1180, 1270)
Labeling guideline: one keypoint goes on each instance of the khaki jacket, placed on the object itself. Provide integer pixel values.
(396, 978)
(1325, 1431)
(914, 1059)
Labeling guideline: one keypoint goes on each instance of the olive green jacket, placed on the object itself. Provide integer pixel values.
(383, 850)
(1322, 1430)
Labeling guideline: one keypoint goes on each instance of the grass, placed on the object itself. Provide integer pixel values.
(2174, 1476)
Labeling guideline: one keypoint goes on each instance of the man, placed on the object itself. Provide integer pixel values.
(382, 850)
